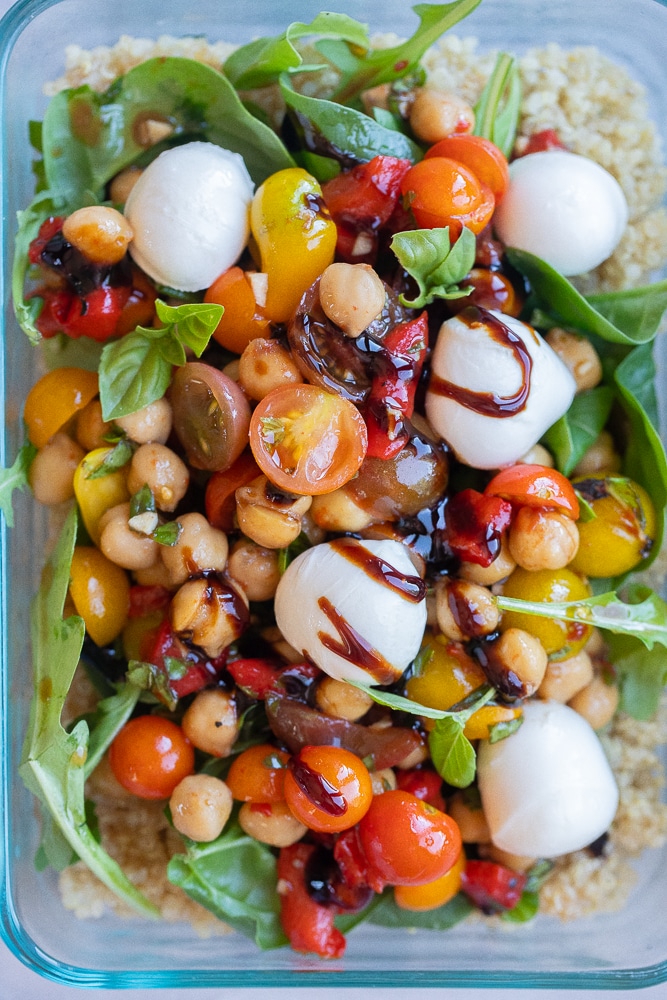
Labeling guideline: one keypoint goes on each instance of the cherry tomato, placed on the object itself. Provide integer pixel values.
(621, 533)
(308, 925)
(150, 756)
(441, 192)
(431, 895)
(220, 496)
(491, 886)
(258, 774)
(97, 494)
(487, 162)
(100, 591)
(423, 784)
(54, 399)
(211, 416)
(560, 639)
(328, 788)
(243, 319)
(307, 440)
(535, 486)
(406, 841)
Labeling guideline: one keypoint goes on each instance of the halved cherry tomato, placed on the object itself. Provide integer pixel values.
(307, 440)
(328, 788)
(535, 486)
(211, 416)
(243, 319)
(491, 886)
(100, 591)
(220, 496)
(150, 756)
(487, 162)
(406, 841)
(431, 895)
(258, 774)
(441, 192)
(54, 399)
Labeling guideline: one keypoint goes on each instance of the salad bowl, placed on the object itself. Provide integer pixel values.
(625, 949)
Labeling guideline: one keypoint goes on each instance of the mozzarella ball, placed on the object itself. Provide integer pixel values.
(548, 788)
(476, 357)
(326, 600)
(564, 208)
(189, 212)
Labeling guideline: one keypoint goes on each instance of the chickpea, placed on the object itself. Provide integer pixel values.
(266, 365)
(597, 702)
(470, 819)
(199, 547)
(517, 662)
(271, 823)
(200, 807)
(579, 355)
(352, 296)
(538, 455)
(271, 519)
(338, 511)
(156, 575)
(208, 613)
(341, 700)
(90, 427)
(255, 569)
(543, 539)
(122, 184)
(435, 114)
(415, 758)
(517, 862)
(498, 570)
(151, 424)
(565, 678)
(601, 457)
(122, 545)
(383, 781)
(52, 469)
(100, 233)
(211, 722)
(148, 131)
(274, 637)
(159, 468)
(464, 610)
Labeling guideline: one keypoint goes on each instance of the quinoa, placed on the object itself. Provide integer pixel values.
(599, 111)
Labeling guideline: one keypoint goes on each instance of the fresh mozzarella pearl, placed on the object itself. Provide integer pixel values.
(548, 788)
(564, 208)
(474, 355)
(375, 616)
(189, 212)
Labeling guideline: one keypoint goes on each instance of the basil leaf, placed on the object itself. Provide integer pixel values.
(15, 478)
(437, 266)
(388, 914)
(501, 730)
(571, 436)
(525, 910)
(168, 534)
(192, 322)
(235, 878)
(452, 753)
(498, 108)
(53, 760)
(116, 458)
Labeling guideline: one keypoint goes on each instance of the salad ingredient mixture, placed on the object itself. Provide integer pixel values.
(353, 483)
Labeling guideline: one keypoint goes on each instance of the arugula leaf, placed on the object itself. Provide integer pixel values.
(525, 910)
(388, 914)
(261, 62)
(437, 266)
(53, 764)
(109, 717)
(136, 369)
(571, 436)
(235, 878)
(498, 108)
(15, 478)
(641, 673)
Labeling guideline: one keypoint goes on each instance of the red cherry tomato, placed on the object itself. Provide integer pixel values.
(491, 886)
(423, 784)
(407, 841)
(258, 774)
(211, 416)
(308, 925)
(327, 788)
(442, 192)
(150, 756)
(535, 486)
(307, 440)
(487, 162)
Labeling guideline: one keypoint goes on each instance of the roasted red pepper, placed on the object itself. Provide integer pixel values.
(543, 141)
(145, 600)
(475, 525)
(168, 653)
(423, 784)
(94, 315)
(492, 887)
(308, 925)
(353, 864)
(259, 677)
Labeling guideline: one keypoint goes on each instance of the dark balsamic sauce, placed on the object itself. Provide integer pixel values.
(352, 646)
(409, 586)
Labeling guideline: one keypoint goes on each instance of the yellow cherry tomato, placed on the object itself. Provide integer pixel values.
(560, 639)
(478, 726)
(295, 236)
(54, 399)
(100, 591)
(431, 895)
(96, 495)
(622, 532)
(447, 676)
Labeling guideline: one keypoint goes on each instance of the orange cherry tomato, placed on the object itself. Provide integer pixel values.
(243, 320)
(220, 496)
(407, 841)
(258, 774)
(307, 440)
(150, 756)
(100, 591)
(328, 788)
(442, 192)
(535, 486)
(487, 162)
(54, 399)
(431, 895)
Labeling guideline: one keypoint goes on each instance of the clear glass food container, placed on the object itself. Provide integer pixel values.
(626, 949)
